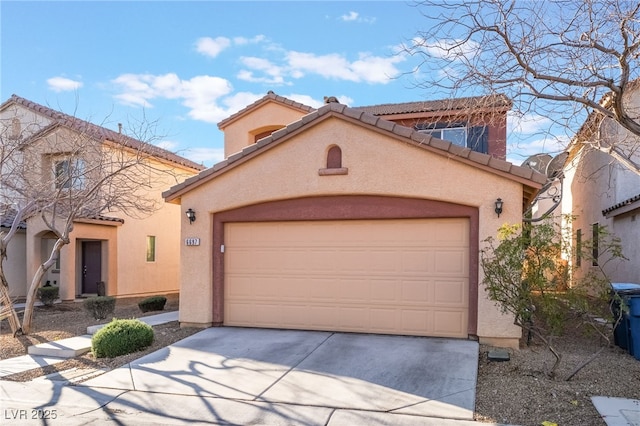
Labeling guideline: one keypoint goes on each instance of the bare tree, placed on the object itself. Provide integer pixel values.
(565, 60)
(55, 173)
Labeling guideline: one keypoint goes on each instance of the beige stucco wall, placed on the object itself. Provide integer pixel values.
(15, 265)
(594, 181)
(240, 132)
(377, 165)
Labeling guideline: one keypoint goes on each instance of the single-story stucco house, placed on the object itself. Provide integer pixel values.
(352, 219)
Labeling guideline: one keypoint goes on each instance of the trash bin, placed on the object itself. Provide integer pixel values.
(634, 326)
(102, 289)
(622, 330)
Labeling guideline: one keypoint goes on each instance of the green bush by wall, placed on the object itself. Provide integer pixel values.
(48, 295)
(101, 306)
(121, 337)
(153, 303)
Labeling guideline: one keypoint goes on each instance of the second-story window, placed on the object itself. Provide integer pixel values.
(461, 134)
(69, 173)
(456, 135)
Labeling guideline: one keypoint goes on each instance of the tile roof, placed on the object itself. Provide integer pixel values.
(457, 104)
(621, 204)
(439, 146)
(270, 96)
(8, 216)
(100, 133)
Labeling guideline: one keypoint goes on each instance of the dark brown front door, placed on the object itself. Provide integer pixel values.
(91, 266)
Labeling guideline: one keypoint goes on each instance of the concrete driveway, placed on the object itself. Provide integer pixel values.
(269, 377)
(251, 376)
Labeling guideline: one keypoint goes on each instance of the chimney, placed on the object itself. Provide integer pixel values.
(120, 128)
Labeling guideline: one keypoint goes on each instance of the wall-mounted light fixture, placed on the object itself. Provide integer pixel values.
(498, 208)
(191, 215)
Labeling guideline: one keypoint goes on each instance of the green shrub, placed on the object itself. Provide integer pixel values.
(121, 337)
(100, 307)
(153, 303)
(48, 295)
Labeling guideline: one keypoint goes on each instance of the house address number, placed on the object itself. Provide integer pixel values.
(192, 241)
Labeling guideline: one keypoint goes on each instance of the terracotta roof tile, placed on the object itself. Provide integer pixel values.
(626, 202)
(270, 96)
(490, 101)
(98, 132)
(365, 118)
(498, 164)
(8, 216)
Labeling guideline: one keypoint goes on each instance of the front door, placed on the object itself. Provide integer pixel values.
(91, 266)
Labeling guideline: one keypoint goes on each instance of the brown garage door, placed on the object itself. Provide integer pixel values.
(407, 276)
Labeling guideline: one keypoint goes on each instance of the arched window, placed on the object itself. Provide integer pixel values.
(334, 163)
(334, 157)
(16, 128)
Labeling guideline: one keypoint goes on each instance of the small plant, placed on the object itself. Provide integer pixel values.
(121, 337)
(48, 295)
(100, 307)
(526, 276)
(153, 303)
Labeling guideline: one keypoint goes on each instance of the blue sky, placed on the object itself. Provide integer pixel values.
(188, 65)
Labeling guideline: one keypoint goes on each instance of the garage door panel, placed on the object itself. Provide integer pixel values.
(415, 292)
(448, 322)
(450, 293)
(379, 276)
(453, 262)
(383, 291)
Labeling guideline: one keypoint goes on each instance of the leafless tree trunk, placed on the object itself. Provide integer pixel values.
(56, 173)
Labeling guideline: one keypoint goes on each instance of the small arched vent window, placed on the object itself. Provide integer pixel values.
(16, 128)
(334, 162)
(334, 157)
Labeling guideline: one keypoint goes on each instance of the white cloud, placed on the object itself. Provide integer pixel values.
(239, 41)
(355, 17)
(275, 73)
(212, 46)
(351, 16)
(204, 155)
(449, 49)
(368, 68)
(168, 145)
(200, 94)
(527, 123)
(305, 100)
(62, 84)
(518, 151)
(240, 100)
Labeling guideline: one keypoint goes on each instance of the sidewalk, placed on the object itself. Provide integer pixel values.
(51, 353)
(101, 400)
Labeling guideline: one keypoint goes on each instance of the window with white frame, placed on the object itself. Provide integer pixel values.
(69, 173)
(457, 135)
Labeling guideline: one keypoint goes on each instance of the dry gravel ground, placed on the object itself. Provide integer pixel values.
(519, 392)
(69, 319)
(512, 392)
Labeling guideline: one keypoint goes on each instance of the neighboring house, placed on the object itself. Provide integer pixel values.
(343, 220)
(15, 265)
(133, 254)
(600, 191)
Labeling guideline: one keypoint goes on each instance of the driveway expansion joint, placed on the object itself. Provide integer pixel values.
(259, 396)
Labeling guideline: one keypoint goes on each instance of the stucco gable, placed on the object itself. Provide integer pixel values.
(528, 177)
(269, 97)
